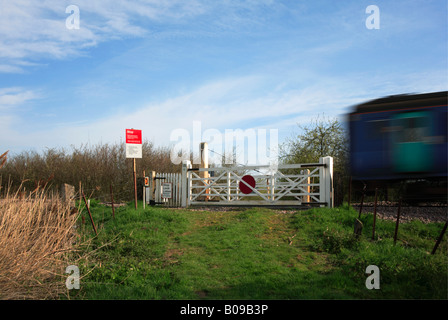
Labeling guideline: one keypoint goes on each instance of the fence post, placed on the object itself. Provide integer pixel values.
(186, 164)
(306, 198)
(203, 148)
(326, 181)
(152, 182)
(112, 200)
(229, 185)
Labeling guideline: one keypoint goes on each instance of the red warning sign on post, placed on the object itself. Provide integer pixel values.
(133, 143)
(133, 136)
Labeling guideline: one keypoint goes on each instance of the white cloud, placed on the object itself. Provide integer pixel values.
(231, 103)
(220, 105)
(34, 30)
(31, 30)
(7, 68)
(15, 96)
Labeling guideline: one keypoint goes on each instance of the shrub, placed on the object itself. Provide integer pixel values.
(96, 167)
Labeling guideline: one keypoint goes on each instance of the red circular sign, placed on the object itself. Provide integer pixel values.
(244, 187)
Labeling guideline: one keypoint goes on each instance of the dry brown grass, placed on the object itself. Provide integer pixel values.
(37, 239)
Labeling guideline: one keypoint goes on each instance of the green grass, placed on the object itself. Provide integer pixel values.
(161, 253)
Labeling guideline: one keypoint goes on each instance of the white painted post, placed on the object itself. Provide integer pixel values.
(326, 181)
(203, 148)
(144, 194)
(229, 185)
(322, 195)
(272, 186)
(152, 186)
(179, 188)
(185, 185)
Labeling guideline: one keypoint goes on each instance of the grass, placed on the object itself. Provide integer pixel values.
(37, 240)
(160, 253)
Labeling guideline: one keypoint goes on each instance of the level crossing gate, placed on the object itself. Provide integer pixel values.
(282, 185)
(289, 185)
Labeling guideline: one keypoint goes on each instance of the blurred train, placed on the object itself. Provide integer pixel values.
(401, 139)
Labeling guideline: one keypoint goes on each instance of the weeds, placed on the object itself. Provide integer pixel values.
(37, 236)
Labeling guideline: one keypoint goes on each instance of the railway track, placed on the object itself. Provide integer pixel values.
(387, 210)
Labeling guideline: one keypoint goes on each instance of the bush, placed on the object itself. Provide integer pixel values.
(96, 167)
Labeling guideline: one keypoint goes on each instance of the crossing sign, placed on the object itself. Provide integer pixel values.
(133, 143)
(167, 190)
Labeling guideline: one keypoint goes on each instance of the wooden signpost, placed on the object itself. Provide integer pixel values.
(134, 150)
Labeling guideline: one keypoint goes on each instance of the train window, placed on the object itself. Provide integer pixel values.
(375, 128)
(412, 129)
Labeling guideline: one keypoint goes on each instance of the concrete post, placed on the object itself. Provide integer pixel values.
(185, 184)
(326, 181)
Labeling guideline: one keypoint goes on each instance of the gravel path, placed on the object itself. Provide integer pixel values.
(388, 211)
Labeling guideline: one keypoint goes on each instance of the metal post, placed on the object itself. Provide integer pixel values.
(350, 192)
(362, 200)
(374, 214)
(439, 239)
(397, 223)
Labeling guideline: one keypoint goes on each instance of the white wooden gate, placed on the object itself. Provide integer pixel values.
(164, 188)
(284, 185)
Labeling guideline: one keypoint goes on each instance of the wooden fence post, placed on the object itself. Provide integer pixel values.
(90, 214)
(112, 201)
(135, 185)
(80, 191)
(398, 222)
(306, 198)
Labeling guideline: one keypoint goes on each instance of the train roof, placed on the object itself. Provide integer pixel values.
(403, 101)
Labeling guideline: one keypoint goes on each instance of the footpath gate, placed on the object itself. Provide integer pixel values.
(163, 188)
(291, 185)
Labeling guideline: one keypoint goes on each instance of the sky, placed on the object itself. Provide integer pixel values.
(80, 72)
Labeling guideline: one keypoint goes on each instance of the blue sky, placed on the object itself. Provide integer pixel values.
(160, 65)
